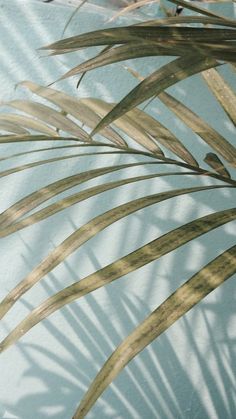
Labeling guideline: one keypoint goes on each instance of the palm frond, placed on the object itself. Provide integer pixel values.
(222, 91)
(157, 82)
(140, 257)
(178, 304)
(213, 161)
(71, 123)
(209, 135)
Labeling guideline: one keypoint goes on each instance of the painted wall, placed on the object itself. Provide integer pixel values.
(188, 372)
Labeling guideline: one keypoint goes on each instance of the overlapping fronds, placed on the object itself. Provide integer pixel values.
(194, 49)
(134, 132)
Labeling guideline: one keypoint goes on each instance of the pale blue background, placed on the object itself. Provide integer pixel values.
(189, 372)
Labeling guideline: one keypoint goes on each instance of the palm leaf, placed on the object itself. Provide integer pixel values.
(215, 140)
(12, 128)
(90, 111)
(139, 33)
(140, 257)
(158, 81)
(75, 108)
(73, 199)
(34, 199)
(26, 122)
(178, 304)
(73, 14)
(163, 135)
(222, 91)
(213, 161)
(196, 50)
(50, 116)
(173, 48)
(139, 123)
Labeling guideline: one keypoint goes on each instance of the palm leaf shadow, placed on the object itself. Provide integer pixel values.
(151, 383)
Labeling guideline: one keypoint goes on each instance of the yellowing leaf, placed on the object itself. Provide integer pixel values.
(179, 303)
(140, 257)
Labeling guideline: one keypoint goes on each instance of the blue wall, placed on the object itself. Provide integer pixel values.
(188, 371)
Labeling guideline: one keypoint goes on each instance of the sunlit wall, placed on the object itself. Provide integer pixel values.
(189, 371)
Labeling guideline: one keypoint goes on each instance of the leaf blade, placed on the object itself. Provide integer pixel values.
(140, 257)
(222, 91)
(128, 125)
(213, 161)
(78, 197)
(28, 123)
(49, 116)
(209, 135)
(34, 199)
(74, 107)
(139, 33)
(154, 84)
(163, 135)
(178, 304)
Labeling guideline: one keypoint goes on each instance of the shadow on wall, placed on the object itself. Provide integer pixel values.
(187, 372)
(171, 379)
(155, 385)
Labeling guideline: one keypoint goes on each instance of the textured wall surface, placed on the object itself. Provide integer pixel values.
(188, 372)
